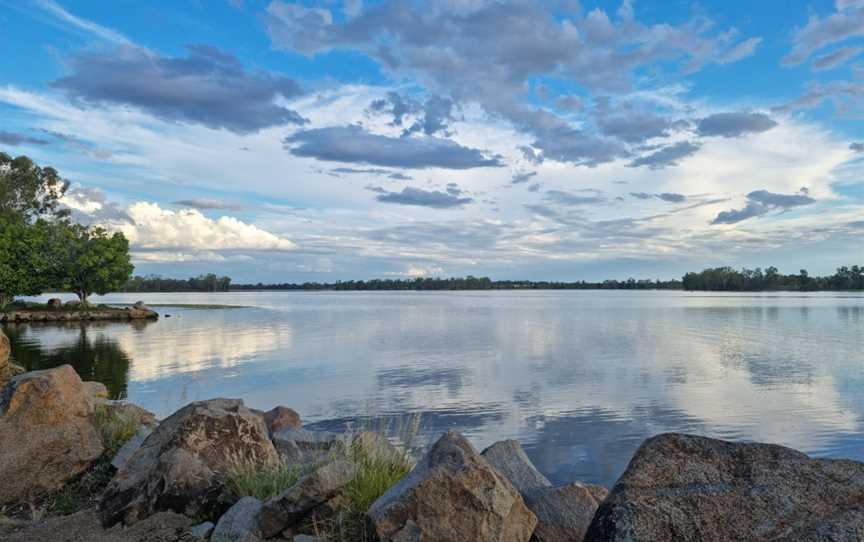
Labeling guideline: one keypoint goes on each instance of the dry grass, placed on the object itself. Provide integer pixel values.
(115, 428)
(262, 480)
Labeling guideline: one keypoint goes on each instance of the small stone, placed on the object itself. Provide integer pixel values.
(280, 418)
(202, 531)
(239, 523)
(304, 446)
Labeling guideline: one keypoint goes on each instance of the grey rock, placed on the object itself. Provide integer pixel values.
(688, 488)
(202, 531)
(239, 523)
(452, 494)
(125, 453)
(181, 466)
(293, 504)
(306, 538)
(509, 459)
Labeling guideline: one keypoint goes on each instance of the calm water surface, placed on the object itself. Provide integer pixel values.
(579, 377)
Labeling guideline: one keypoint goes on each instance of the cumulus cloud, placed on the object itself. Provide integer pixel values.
(667, 156)
(208, 87)
(91, 206)
(424, 198)
(14, 139)
(151, 227)
(857, 146)
(353, 144)
(761, 202)
(487, 52)
(734, 124)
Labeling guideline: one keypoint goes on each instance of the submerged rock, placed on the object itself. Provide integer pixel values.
(688, 488)
(563, 513)
(452, 494)
(47, 435)
(181, 466)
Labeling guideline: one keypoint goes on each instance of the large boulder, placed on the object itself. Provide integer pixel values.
(181, 466)
(563, 513)
(295, 503)
(452, 494)
(688, 488)
(47, 435)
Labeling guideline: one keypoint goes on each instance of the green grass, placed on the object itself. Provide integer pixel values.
(83, 492)
(115, 428)
(262, 480)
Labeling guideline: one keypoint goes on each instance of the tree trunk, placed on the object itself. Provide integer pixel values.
(82, 297)
(5, 299)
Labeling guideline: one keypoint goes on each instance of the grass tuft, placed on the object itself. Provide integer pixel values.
(262, 480)
(115, 428)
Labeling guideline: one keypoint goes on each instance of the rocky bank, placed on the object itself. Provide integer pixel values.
(55, 311)
(171, 481)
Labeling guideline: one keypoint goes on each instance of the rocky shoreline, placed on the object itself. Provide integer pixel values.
(176, 479)
(55, 311)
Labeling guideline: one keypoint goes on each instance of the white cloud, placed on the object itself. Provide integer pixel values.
(152, 227)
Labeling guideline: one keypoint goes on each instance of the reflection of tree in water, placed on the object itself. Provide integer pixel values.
(98, 358)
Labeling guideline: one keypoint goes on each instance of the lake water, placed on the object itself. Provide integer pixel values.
(579, 377)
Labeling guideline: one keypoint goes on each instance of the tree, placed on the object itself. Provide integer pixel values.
(25, 265)
(90, 261)
(29, 192)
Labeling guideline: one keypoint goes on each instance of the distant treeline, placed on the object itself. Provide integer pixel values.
(728, 279)
(155, 283)
(466, 283)
(715, 279)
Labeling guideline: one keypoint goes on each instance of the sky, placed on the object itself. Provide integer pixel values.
(282, 141)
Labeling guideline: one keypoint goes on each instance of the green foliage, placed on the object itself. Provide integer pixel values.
(155, 283)
(25, 266)
(90, 260)
(115, 428)
(728, 279)
(83, 492)
(262, 480)
(29, 192)
(375, 475)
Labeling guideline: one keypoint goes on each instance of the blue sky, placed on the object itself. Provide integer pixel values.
(291, 141)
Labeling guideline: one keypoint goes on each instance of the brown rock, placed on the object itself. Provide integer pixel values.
(282, 417)
(181, 466)
(46, 431)
(55, 303)
(452, 494)
(688, 488)
(7, 368)
(563, 513)
(84, 527)
(293, 504)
